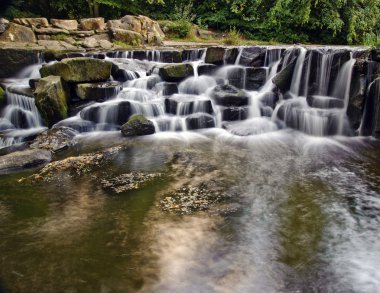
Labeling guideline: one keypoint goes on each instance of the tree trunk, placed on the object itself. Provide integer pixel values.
(96, 9)
(91, 7)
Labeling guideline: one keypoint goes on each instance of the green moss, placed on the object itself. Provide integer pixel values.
(137, 118)
(176, 72)
(79, 69)
(51, 99)
(2, 96)
(59, 37)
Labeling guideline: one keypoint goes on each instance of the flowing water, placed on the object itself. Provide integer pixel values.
(301, 211)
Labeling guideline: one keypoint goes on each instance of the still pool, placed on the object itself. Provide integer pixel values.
(302, 215)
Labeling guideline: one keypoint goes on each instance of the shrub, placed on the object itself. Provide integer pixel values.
(233, 38)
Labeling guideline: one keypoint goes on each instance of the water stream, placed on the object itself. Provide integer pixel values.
(300, 210)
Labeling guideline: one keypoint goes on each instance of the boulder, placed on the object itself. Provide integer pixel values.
(128, 37)
(4, 24)
(199, 121)
(18, 33)
(51, 31)
(168, 88)
(5, 124)
(89, 24)
(215, 55)
(54, 139)
(79, 69)
(106, 45)
(82, 34)
(32, 22)
(14, 60)
(253, 56)
(228, 95)
(322, 102)
(231, 55)
(18, 161)
(132, 22)
(371, 115)
(2, 97)
(66, 24)
(119, 113)
(102, 36)
(56, 45)
(51, 98)
(235, 76)
(283, 79)
(204, 34)
(235, 113)
(255, 78)
(98, 91)
(206, 69)
(90, 43)
(186, 105)
(138, 125)
(176, 72)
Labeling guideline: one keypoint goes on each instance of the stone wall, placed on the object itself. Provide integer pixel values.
(89, 33)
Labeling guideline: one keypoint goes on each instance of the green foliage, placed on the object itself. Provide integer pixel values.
(287, 21)
(177, 28)
(233, 37)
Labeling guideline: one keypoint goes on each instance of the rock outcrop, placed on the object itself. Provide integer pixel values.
(138, 125)
(79, 70)
(51, 99)
(18, 33)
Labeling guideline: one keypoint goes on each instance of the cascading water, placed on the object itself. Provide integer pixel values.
(309, 105)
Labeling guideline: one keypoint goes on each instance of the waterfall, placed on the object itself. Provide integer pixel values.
(297, 75)
(316, 102)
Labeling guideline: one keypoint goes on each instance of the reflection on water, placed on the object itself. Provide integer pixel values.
(306, 220)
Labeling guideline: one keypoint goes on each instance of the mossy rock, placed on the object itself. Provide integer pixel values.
(215, 55)
(51, 98)
(128, 37)
(176, 72)
(138, 125)
(2, 96)
(79, 70)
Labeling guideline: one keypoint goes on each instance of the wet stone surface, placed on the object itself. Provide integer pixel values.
(129, 181)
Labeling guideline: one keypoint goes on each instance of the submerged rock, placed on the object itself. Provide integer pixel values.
(75, 166)
(79, 69)
(129, 181)
(54, 139)
(51, 99)
(23, 160)
(138, 125)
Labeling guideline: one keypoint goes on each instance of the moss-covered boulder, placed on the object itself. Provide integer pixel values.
(176, 72)
(127, 36)
(2, 96)
(79, 69)
(229, 96)
(18, 33)
(51, 98)
(138, 125)
(215, 55)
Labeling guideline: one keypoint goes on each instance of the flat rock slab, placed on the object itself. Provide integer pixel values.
(23, 160)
